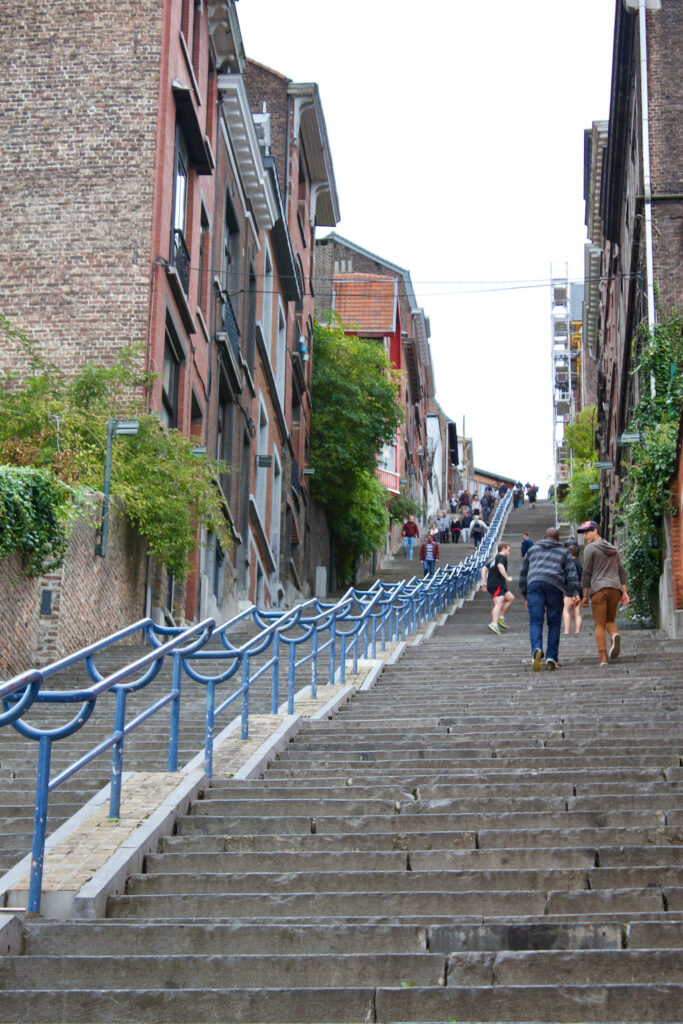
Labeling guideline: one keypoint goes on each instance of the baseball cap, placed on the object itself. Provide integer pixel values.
(590, 524)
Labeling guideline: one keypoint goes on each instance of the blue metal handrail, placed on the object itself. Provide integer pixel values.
(357, 621)
(13, 698)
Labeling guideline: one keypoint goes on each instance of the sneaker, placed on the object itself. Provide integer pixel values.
(537, 662)
(603, 664)
(503, 624)
(615, 648)
(551, 664)
(494, 628)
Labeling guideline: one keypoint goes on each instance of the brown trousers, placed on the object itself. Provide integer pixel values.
(605, 604)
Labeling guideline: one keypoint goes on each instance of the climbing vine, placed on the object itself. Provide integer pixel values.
(647, 487)
(56, 427)
(34, 512)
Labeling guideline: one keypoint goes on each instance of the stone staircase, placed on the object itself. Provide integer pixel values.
(467, 841)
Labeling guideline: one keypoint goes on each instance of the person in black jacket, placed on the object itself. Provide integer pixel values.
(547, 574)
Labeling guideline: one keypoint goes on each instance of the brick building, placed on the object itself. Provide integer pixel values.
(109, 138)
(300, 158)
(630, 277)
(159, 190)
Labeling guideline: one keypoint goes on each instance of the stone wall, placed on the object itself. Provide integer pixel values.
(89, 597)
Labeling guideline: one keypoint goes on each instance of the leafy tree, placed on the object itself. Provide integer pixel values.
(58, 424)
(355, 411)
(582, 502)
(579, 435)
(402, 506)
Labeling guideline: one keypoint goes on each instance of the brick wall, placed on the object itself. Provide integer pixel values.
(665, 41)
(78, 108)
(90, 597)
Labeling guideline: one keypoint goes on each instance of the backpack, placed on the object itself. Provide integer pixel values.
(476, 529)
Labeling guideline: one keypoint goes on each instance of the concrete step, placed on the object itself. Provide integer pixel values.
(332, 936)
(187, 971)
(364, 904)
(413, 822)
(402, 881)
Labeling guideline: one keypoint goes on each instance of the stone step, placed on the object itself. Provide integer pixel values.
(592, 1003)
(411, 822)
(396, 882)
(332, 936)
(215, 906)
(491, 839)
(187, 971)
(397, 860)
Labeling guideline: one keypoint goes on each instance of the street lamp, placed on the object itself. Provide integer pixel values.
(114, 427)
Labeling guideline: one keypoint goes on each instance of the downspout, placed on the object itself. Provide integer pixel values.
(647, 183)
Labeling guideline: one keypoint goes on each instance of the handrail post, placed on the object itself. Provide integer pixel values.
(117, 755)
(275, 686)
(39, 824)
(342, 659)
(208, 727)
(245, 697)
(333, 649)
(314, 663)
(174, 725)
(290, 678)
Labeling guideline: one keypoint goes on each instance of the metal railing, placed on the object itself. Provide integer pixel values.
(20, 694)
(180, 259)
(341, 632)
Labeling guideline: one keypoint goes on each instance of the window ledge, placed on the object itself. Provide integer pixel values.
(181, 300)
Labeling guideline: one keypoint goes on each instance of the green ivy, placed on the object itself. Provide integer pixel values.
(33, 518)
(58, 424)
(647, 488)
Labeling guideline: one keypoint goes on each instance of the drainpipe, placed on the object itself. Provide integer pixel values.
(647, 183)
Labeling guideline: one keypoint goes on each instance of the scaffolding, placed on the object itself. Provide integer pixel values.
(562, 374)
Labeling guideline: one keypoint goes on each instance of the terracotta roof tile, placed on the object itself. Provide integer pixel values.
(367, 302)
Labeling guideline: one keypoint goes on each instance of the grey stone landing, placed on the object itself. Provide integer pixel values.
(466, 841)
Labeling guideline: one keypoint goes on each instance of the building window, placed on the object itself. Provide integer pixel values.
(170, 379)
(230, 257)
(281, 359)
(180, 256)
(275, 513)
(196, 35)
(225, 429)
(262, 470)
(252, 290)
(218, 571)
(267, 302)
(204, 264)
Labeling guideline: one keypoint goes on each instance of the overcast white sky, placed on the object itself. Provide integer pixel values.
(456, 131)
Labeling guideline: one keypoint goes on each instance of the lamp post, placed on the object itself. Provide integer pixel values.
(114, 427)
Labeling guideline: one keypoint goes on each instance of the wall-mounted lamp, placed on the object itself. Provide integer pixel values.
(114, 428)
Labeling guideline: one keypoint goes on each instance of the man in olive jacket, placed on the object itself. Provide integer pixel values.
(547, 574)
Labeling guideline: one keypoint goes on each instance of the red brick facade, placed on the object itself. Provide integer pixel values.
(622, 212)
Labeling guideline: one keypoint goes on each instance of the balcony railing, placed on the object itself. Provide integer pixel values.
(230, 325)
(180, 259)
